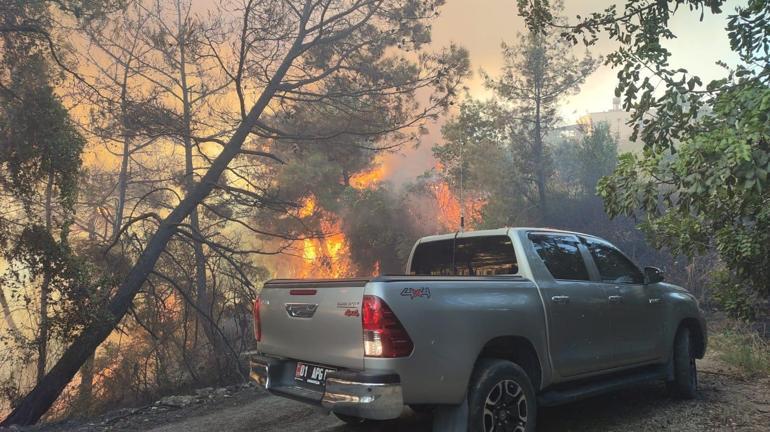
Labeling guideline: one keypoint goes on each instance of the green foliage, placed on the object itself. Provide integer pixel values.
(701, 183)
(713, 192)
(477, 137)
(40, 150)
(580, 163)
(38, 139)
(377, 229)
(490, 171)
(732, 296)
(75, 287)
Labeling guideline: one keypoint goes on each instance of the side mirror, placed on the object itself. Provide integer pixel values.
(653, 275)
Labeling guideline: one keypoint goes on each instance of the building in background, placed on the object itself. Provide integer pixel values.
(617, 120)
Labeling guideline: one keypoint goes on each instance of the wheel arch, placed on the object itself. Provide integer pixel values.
(516, 349)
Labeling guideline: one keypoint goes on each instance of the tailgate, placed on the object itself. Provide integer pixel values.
(317, 321)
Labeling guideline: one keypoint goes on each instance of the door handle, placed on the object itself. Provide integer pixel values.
(560, 299)
(614, 299)
(656, 300)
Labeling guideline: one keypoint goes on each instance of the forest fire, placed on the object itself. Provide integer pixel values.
(328, 254)
(308, 208)
(161, 160)
(449, 207)
(369, 179)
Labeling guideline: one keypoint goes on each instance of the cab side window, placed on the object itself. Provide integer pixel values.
(561, 255)
(613, 266)
(485, 256)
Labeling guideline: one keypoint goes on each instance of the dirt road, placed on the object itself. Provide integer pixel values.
(725, 403)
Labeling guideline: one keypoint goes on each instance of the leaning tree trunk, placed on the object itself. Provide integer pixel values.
(40, 399)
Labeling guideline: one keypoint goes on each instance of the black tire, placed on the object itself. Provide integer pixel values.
(685, 383)
(501, 398)
(351, 420)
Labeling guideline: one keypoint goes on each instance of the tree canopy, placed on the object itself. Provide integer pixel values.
(701, 182)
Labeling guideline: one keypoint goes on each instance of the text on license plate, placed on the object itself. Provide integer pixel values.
(312, 374)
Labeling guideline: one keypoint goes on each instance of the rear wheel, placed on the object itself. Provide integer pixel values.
(685, 383)
(501, 398)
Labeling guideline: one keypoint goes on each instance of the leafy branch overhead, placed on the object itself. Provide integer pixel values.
(702, 180)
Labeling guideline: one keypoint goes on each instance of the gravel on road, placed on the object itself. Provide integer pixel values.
(725, 402)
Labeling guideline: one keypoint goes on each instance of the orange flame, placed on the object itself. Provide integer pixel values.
(308, 208)
(329, 255)
(371, 178)
(449, 207)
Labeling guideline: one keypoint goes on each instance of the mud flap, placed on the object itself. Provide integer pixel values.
(451, 418)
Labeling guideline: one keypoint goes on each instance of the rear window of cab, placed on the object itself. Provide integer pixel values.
(465, 256)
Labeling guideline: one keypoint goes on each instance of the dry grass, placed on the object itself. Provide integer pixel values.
(744, 350)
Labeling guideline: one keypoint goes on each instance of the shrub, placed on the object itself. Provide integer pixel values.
(733, 297)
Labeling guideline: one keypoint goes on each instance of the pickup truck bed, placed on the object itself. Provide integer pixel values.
(438, 369)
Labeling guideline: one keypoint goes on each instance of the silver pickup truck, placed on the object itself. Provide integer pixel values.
(485, 327)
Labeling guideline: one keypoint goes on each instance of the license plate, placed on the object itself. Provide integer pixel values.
(311, 374)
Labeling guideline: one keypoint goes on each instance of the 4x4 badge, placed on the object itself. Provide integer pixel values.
(416, 292)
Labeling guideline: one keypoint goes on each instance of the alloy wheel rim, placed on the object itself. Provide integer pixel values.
(505, 408)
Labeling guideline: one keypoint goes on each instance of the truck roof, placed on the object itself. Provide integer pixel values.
(493, 232)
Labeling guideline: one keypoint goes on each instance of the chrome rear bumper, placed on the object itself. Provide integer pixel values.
(372, 395)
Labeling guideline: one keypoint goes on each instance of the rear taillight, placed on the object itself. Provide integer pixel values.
(257, 323)
(384, 336)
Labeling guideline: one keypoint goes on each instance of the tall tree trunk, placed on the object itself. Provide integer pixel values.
(40, 399)
(42, 335)
(123, 176)
(203, 301)
(85, 389)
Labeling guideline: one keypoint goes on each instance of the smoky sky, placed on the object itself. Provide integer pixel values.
(482, 25)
